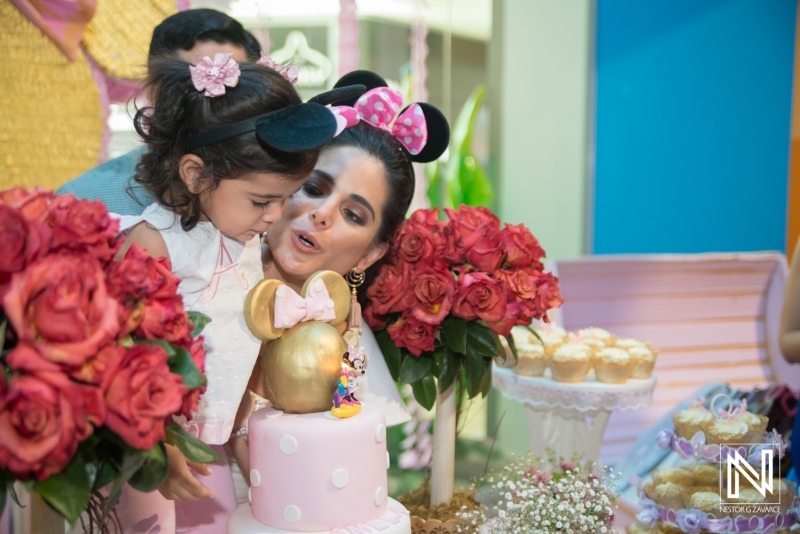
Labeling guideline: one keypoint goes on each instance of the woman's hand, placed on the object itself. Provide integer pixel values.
(180, 484)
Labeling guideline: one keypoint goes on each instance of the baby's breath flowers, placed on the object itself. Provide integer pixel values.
(535, 496)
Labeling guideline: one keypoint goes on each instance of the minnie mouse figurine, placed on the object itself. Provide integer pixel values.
(345, 403)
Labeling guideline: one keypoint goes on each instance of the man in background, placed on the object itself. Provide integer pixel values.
(187, 34)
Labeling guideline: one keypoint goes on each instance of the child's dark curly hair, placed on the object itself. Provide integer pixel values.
(180, 111)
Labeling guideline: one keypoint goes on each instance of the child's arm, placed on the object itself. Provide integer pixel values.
(180, 485)
(148, 238)
(790, 317)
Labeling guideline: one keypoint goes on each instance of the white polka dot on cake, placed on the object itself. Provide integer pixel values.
(281, 291)
(255, 478)
(291, 513)
(250, 495)
(299, 301)
(288, 445)
(272, 414)
(380, 496)
(340, 478)
(380, 433)
(388, 460)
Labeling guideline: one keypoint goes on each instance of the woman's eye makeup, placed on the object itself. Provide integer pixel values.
(354, 217)
(261, 205)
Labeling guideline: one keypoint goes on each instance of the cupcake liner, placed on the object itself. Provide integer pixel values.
(569, 372)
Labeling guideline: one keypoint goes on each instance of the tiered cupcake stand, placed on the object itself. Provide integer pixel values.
(571, 418)
(692, 521)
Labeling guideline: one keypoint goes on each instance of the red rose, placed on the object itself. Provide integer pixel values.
(510, 317)
(548, 294)
(82, 225)
(34, 203)
(521, 284)
(42, 419)
(523, 249)
(427, 218)
(165, 318)
(142, 395)
(198, 354)
(469, 221)
(60, 304)
(434, 288)
(416, 336)
(99, 369)
(21, 241)
(480, 296)
(373, 320)
(451, 249)
(390, 292)
(414, 243)
(487, 253)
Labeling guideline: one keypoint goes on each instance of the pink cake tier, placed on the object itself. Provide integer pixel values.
(394, 521)
(316, 473)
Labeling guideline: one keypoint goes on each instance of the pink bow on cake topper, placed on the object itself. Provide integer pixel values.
(380, 108)
(356, 354)
(288, 71)
(212, 76)
(291, 308)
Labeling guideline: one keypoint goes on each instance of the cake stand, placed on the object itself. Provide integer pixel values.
(571, 418)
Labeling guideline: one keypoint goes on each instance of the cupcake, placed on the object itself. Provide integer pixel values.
(612, 366)
(570, 362)
(690, 421)
(643, 361)
(597, 338)
(785, 490)
(690, 492)
(749, 496)
(532, 360)
(705, 475)
(727, 430)
(670, 528)
(626, 343)
(677, 475)
(552, 337)
(757, 424)
(669, 495)
(707, 501)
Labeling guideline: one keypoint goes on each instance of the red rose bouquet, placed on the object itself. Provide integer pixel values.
(97, 356)
(449, 290)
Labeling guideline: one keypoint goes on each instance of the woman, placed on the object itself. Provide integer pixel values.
(342, 218)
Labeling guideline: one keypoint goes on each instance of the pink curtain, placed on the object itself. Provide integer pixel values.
(348, 37)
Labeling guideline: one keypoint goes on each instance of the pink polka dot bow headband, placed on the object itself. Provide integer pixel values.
(380, 107)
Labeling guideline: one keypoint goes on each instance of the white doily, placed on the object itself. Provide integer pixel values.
(588, 397)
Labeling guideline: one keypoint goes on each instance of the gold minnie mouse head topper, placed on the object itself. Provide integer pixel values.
(301, 361)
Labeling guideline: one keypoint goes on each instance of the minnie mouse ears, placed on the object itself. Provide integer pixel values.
(297, 128)
(438, 129)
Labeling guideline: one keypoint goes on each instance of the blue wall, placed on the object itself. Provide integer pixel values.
(693, 124)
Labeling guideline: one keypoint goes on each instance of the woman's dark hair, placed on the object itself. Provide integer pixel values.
(181, 111)
(399, 174)
(183, 30)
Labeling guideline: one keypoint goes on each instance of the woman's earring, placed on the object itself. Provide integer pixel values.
(354, 279)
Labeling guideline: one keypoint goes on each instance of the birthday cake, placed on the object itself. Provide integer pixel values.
(318, 457)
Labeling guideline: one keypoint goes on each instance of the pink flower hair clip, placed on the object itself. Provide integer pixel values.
(213, 76)
(288, 71)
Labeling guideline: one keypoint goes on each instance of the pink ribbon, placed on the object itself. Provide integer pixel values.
(212, 76)
(289, 72)
(380, 108)
(291, 308)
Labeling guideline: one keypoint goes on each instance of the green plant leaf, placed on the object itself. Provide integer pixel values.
(535, 333)
(169, 349)
(454, 331)
(473, 370)
(486, 381)
(513, 347)
(449, 369)
(67, 492)
(181, 363)
(414, 368)
(199, 322)
(425, 391)
(191, 447)
(153, 471)
(104, 474)
(391, 353)
(481, 339)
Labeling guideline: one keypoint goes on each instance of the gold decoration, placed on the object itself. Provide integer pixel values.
(433, 526)
(118, 37)
(301, 365)
(51, 118)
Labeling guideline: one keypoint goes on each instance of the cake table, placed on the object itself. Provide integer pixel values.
(571, 418)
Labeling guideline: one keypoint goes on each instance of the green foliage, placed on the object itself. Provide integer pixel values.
(465, 182)
(425, 391)
(153, 471)
(391, 353)
(68, 492)
(191, 447)
(199, 322)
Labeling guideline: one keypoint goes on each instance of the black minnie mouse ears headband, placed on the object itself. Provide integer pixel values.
(296, 128)
(421, 128)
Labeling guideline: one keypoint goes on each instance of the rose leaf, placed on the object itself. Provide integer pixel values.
(153, 471)
(449, 370)
(425, 391)
(414, 368)
(199, 322)
(181, 363)
(191, 447)
(455, 334)
(480, 339)
(391, 353)
(67, 492)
